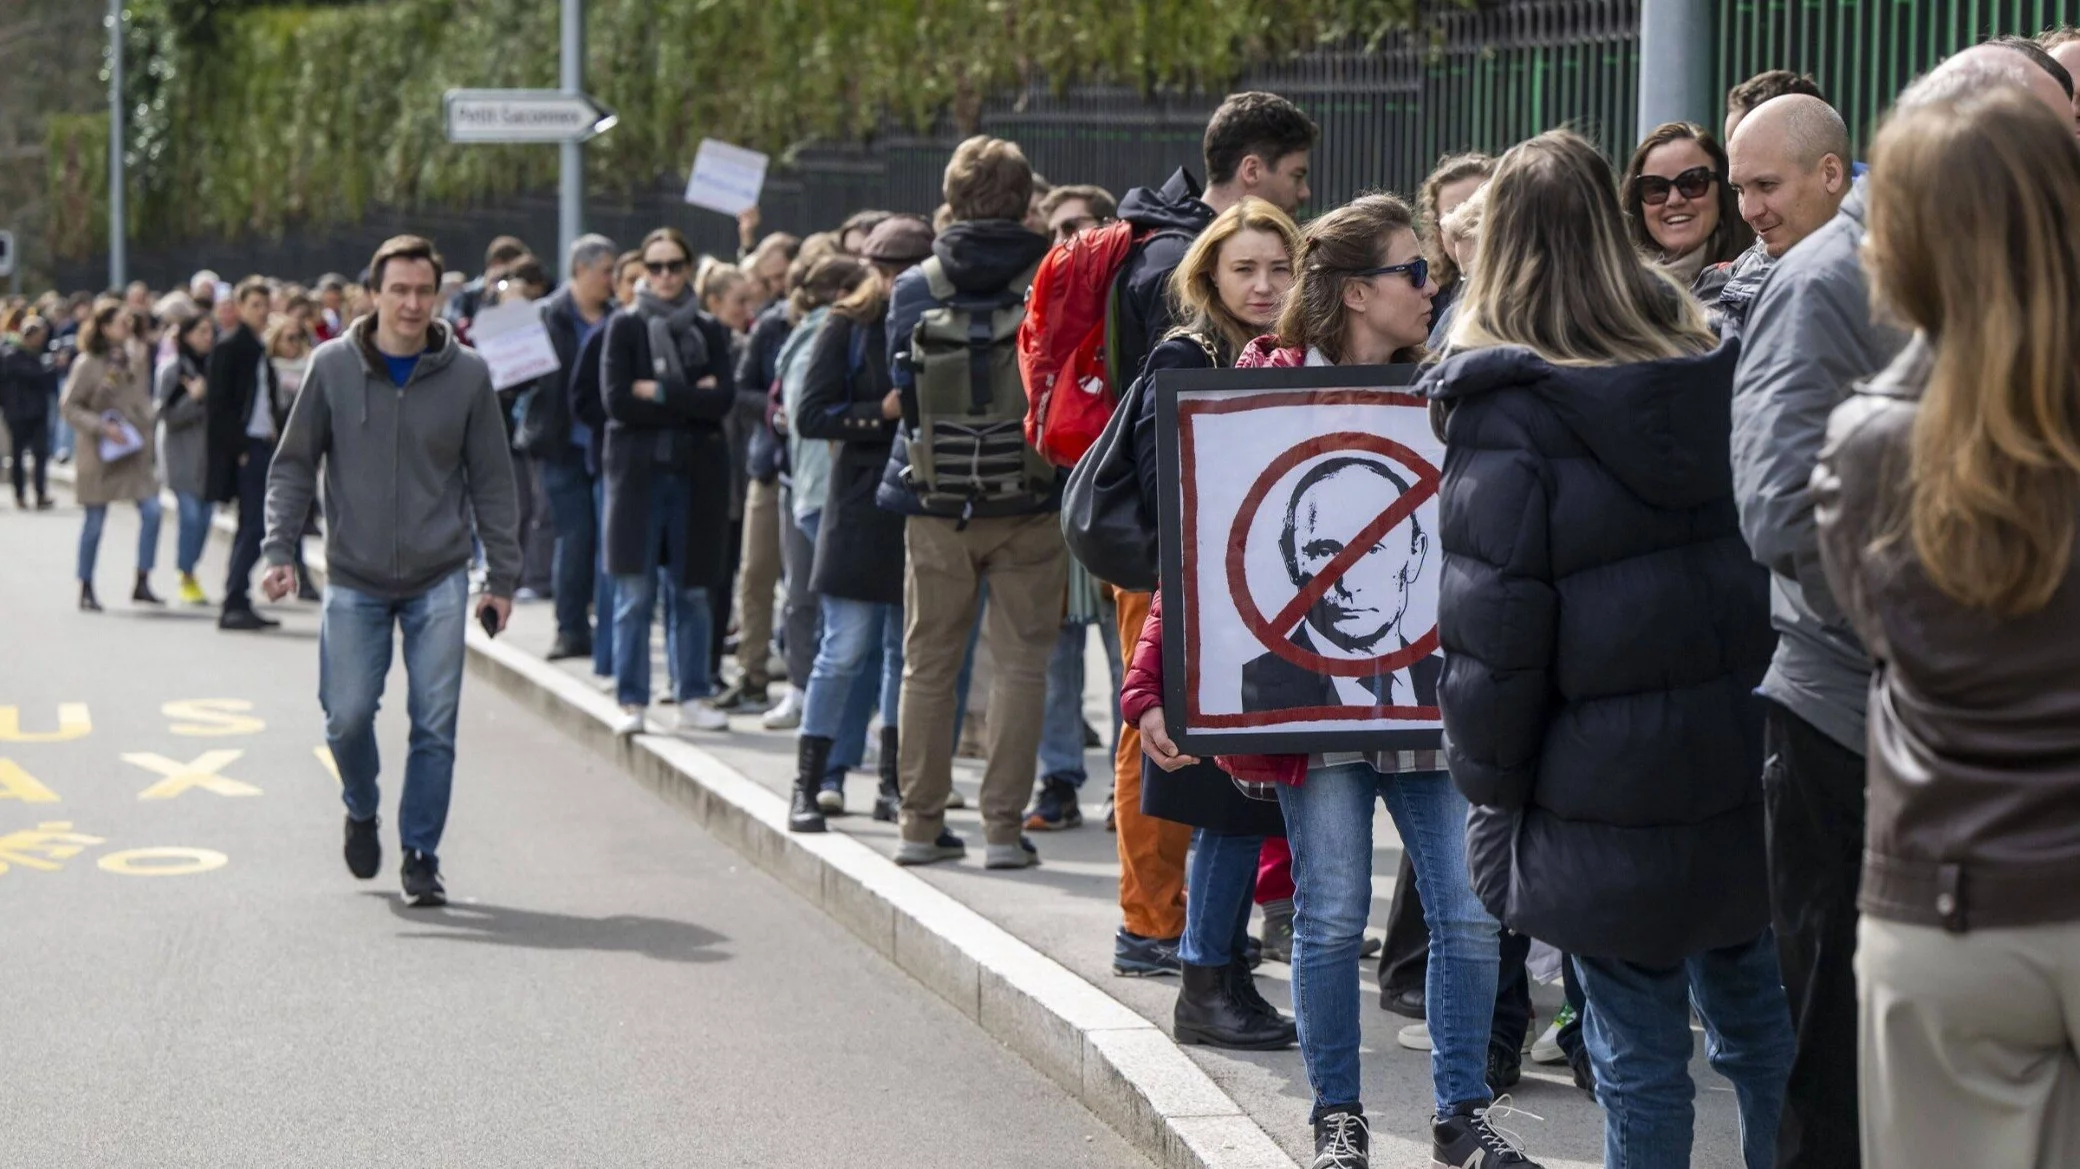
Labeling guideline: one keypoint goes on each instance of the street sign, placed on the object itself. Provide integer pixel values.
(6, 253)
(524, 115)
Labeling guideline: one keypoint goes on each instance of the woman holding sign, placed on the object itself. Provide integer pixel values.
(1604, 630)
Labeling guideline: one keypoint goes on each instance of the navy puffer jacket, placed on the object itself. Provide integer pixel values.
(1604, 630)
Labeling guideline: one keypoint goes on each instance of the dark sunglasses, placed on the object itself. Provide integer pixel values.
(1694, 183)
(1418, 272)
(660, 267)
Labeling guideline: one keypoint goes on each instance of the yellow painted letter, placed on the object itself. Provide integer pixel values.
(73, 723)
(163, 862)
(16, 784)
(212, 716)
(201, 773)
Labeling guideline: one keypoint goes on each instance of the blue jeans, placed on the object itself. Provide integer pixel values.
(1329, 825)
(147, 536)
(1638, 1032)
(1220, 884)
(856, 634)
(635, 603)
(577, 540)
(602, 590)
(194, 533)
(354, 641)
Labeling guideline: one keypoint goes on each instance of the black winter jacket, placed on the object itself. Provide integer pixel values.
(1175, 211)
(757, 367)
(1604, 630)
(238, 369)
(859, 548)
(28, 386)
(680, 433)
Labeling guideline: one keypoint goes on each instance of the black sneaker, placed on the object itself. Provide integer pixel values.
(364, 847)
(567, 646)
(1134, 956)
(1505, 1068)
(245, 620)
(422, 881)
(1584, 1073)
(1342, 1140)
(1471, 1141)
(1054, 809)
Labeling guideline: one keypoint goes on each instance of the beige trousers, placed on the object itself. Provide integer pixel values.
(757, 580)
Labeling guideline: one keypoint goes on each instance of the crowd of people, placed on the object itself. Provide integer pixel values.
(1761, 487)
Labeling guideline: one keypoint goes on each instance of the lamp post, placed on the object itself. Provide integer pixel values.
(118, 224)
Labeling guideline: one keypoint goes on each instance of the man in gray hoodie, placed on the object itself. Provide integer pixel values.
(1811, 335)
(402, 421)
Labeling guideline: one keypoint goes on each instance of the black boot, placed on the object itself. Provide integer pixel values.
(812, 755)
(1208, 1013)
(888, 801)
(1243, 985)
(143, 594)
(87, 603)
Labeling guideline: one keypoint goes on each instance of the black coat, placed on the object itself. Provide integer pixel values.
(28, 386)
(1173, 215)
(238, 369)
(758, 367)
(681, 433)
(1604, 630)
(859, 548)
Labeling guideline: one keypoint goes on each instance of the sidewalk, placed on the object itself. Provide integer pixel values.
(1068, 909)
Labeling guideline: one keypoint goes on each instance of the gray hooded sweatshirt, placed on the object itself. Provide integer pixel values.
(1810, 337)
(406, 468)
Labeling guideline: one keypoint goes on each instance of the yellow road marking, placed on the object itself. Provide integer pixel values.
(201, 773)
(73, 723)
(212, 716)
(43, 846)
(163, 862)
(17, 784)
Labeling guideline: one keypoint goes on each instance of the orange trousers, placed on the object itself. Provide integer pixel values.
(1151, 851)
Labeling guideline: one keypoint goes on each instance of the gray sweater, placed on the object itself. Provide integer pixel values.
(1809, 338)
(407, 469)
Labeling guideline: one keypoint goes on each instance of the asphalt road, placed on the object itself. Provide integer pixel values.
(609, 987)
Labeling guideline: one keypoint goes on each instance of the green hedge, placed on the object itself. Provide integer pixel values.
(253, 117)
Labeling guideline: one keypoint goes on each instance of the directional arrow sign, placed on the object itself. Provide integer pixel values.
(524, 115)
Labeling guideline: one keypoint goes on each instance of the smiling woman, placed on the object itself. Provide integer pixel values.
(1679, 209)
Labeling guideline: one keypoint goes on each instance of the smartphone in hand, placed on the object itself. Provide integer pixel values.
(488, 618)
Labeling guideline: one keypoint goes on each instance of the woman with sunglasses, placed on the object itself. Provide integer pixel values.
(1679, 209)
(666, 381)
(1363, 296)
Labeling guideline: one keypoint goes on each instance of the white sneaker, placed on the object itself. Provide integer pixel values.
(786, 716)
(1415, 1037)
(699, 716)
(630, 722)
(1548, 1050)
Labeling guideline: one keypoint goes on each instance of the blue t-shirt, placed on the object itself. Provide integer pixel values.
(401, 367)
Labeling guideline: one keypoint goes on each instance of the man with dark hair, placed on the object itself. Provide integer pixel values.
(245, 419)
(1256, 144)
(503, 251)
(1067, 212)
(1745, 98)
(403, 424)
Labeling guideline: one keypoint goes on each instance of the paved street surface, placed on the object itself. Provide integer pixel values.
(1069, 907)
(194, 980)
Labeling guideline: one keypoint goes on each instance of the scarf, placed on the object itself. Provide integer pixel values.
(676, 344)
(1684, 268)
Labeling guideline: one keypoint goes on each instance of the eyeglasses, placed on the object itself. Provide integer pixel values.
(660, 267)
(1694, 183)
(1418, 272)
(1069, 229)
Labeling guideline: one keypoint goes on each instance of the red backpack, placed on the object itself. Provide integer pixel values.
(1071, 387)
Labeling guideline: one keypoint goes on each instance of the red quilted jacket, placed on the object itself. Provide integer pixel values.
(1143, 689)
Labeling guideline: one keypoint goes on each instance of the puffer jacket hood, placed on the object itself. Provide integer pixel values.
(1175, 204)
(985, 255)
(1620, 413)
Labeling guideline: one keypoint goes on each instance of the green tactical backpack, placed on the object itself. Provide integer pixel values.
(969, 452)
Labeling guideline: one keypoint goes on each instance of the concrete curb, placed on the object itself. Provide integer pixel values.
(1119, 1065)
(1126, 1070)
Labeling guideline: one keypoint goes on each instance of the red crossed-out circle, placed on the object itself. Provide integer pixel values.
(1275, 632)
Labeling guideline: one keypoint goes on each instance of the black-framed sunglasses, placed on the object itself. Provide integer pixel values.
(1418, 272)
(1694, 183)
(660, 267)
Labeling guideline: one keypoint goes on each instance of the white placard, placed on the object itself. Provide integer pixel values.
(726, 178)
(512, 340)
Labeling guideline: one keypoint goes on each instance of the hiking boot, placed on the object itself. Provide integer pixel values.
(1018, 855)
(1054, 808)
(812, 755)
(422, 880)
(364, 847)
(1471, 1140)
(1278, 930)
(569, 645)
(1243, 985)
(888, 797)
(947, 848)
(742, 697)
(1342, 1141)
(1134, 956)
(1208, 1014)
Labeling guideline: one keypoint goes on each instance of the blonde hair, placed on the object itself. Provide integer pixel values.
(1556, 273)
(1972, 242)
(281, 331)
(988, 178)
(1346, 241)
(1194, 296)
(1450, 169)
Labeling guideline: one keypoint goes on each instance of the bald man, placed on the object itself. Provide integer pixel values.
(1790, 166)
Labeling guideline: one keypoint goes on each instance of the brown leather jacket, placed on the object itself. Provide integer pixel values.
(1974, 719)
